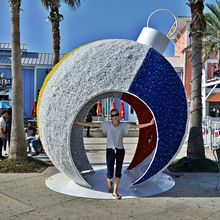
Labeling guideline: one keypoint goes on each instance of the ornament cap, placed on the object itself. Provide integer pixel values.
(153, 38)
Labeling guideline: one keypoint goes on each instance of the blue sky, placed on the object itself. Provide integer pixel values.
(93, 20)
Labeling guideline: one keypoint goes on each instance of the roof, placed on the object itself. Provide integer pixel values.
(31, 58)
(27, 58)
(8, 46)
(214, 98)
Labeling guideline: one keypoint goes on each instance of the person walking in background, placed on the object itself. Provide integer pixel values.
(115, 151)
(30, 132)
(8, 131)
(3, 131)
(88, 119)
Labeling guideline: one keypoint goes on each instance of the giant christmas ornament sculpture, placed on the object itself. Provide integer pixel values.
(123, 69)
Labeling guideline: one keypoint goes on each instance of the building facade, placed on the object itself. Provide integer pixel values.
(35, 67)
(210, 74)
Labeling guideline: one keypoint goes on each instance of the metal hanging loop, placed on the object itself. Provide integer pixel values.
(167, 10)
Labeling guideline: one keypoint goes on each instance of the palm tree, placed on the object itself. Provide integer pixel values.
(17, 144)
(55, 18)
(195, 148)
(211, 39)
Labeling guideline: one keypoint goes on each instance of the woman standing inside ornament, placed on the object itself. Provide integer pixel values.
(115, 151)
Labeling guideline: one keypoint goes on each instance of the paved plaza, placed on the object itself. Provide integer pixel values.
(25, 196)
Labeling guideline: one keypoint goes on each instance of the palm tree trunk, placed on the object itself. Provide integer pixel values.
(195, 149)
(56, 39)
(17, 145)
(55, 18)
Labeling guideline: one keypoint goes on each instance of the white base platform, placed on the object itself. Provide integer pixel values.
(63, 184)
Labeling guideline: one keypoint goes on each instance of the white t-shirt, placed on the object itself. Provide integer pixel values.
(2, 124)
(2, 127)
(115, 134)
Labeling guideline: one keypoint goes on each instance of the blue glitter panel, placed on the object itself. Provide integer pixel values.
(157, 84)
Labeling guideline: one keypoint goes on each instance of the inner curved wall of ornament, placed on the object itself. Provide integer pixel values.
(77, 146)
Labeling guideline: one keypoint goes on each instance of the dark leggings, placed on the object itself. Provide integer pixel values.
(111, 156)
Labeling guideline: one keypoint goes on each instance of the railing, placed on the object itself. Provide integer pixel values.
(211, 137)
(211, 132)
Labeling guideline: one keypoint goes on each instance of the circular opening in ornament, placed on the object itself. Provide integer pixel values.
(147, 139)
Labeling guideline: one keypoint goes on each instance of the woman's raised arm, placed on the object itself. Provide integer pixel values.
(143, 125)
(89, 124)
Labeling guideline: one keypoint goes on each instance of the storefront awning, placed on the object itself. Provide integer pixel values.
(214, 98)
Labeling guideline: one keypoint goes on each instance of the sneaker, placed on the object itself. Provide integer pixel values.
(5, 152)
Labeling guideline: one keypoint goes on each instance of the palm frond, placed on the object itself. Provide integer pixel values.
(72, 3)
(214, 9)
(208, 51)
(51, 4)
(46, 3)
(211, 38)
(213, 21)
